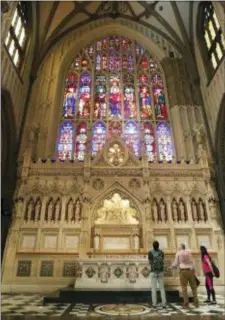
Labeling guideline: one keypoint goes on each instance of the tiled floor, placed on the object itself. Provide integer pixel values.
(31, 305)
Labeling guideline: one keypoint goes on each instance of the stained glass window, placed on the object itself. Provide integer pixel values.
(17, 37)
(98, 137)
(213, 36)
(65, 143)
(114, 88)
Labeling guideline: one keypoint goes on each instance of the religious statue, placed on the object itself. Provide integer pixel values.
(182, 211)
(70, 211)
(37, 210)
(104, 273)
(163, 211)
(30, 210)
(115, 154)
(50, 211)
(77, 211)
(136, 242)
(96, 241)
(155, 212)
(19, 208)
(194, 211)
(57, 211)
(174, 211)
(201, 211)
(116, 211)
(213, 212)
(132, 273)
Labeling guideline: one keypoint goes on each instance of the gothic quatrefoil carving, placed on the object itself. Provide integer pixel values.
(116, 154)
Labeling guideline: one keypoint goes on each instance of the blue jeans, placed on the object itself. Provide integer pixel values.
(158, 277)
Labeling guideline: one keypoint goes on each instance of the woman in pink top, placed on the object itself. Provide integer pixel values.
(208, 271)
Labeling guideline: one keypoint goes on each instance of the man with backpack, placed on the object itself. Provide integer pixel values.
(156, 260)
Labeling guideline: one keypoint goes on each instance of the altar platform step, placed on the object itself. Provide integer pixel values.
(108, 296)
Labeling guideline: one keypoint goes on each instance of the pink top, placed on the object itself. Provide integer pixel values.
(206, 265)
(184, 260)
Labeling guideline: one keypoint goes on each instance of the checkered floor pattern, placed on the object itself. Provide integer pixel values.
(21, 305)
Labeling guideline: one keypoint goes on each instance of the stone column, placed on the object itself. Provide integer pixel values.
(63, 209)
(85, 243)
(178, 132)
(171, 224)
(8, 265)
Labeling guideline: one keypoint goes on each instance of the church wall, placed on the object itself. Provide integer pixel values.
(45, 245)
(212, 92)
(15, 83)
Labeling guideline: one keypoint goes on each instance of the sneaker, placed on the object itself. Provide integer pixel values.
(213, 302)
(186, 306)
(207, 301)
(154, 307)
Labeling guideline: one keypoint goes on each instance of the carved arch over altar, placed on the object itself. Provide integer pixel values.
(116, 188)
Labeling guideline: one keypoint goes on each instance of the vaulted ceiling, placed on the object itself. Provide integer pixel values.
(55, 19)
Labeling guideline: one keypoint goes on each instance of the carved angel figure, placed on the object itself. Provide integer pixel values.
(201, 210)
(19, 208)
(174, 210)
(194, 211)
(155, 212)
(30, 210)
(57, 210)
(163, 211)
(37, 210)
(70, 211)
(78, 211)
(182, 211)
(50, 211)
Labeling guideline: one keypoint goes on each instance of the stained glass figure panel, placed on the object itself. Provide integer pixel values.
(81, 142)
(131, 137)
(98, 137)
(145, 102)
(115, 96)
(85, 95)
(100, 107)
(65, 141)
(149, 141)
(165, 145)
(70, 97)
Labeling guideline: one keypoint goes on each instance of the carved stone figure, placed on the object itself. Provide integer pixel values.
(30, 210)
(174, 211)
(50, 211)
(96, 241)
(116, 211)
(214, 215)
(136, 242)
(70, 211)
(194, 211)
(201, 211)
(19, 208)
(132, 273)
(182, 211)
(155, 212)
(163, 211)
(78, 211)
(37, 210)
(104, 273)
(57, 211)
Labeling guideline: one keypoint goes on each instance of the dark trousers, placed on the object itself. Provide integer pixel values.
(209, 286)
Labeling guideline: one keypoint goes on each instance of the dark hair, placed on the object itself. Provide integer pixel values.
(182, 246)
(156, 245)
(204, 252)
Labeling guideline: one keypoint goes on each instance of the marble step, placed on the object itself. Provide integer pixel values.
(109, 296)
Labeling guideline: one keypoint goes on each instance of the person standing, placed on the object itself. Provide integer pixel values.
(208, 272)
(185, 264)
(156, 260)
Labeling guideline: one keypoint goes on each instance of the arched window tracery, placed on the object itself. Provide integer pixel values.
(114, 87)
(213, 44)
